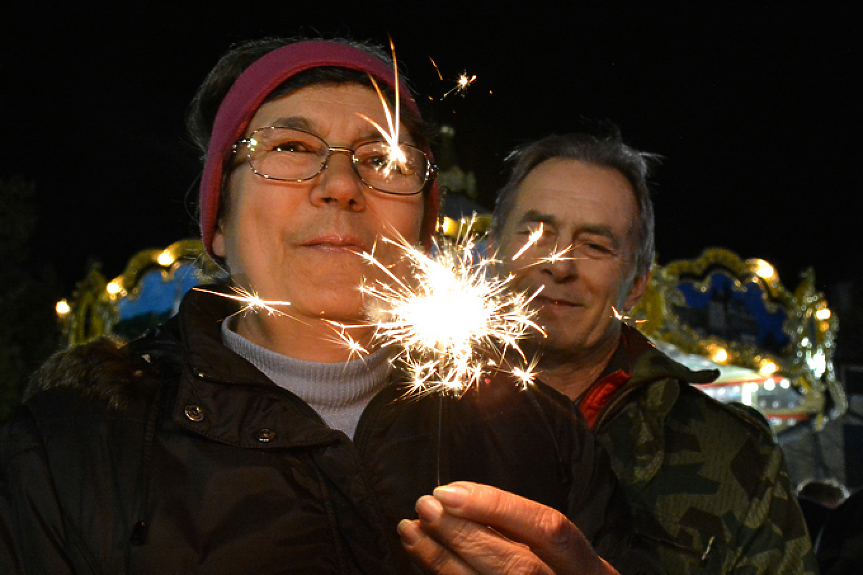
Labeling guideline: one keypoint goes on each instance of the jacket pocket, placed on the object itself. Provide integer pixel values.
(684, 549)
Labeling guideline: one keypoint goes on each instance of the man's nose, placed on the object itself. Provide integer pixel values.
(561, 265)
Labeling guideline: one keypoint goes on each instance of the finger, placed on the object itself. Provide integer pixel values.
(485, 550)
(431, 556)
(548, 533)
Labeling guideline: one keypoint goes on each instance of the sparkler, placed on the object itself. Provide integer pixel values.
(461, 84)
(451, 319)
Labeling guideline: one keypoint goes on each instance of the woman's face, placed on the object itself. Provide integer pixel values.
(300, 242)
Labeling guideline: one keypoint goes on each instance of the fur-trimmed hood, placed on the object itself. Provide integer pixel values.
(110, 368)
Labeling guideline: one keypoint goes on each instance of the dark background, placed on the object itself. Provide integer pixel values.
(756, 109)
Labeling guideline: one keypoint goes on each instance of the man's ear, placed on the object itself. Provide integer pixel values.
(639, 284)
(490, 247)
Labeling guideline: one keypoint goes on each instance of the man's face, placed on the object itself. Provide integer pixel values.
(586, 213)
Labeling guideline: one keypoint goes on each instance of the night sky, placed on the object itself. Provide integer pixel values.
(756, 110)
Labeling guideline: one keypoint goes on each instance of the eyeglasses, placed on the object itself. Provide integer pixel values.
(290, 155)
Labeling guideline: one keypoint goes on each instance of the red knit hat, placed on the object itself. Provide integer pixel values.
(256, 83)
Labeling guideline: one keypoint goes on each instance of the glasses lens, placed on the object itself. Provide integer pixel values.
(286, 154)
(401, 170)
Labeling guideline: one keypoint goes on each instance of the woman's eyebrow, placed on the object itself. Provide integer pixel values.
(302, 123)
(293, 122)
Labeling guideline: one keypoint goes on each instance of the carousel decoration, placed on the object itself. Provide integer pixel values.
(773, 347)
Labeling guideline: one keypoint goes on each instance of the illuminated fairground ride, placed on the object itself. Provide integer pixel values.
(773, 347)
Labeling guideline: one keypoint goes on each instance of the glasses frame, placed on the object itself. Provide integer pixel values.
(430, 175)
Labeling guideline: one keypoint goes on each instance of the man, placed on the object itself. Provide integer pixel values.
(706, 482)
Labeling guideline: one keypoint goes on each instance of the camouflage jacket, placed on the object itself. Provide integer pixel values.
(706, 481)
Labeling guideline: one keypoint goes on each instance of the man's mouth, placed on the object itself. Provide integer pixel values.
(551, 301)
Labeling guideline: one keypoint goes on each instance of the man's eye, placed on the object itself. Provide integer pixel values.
(534, 229)
(598, 248)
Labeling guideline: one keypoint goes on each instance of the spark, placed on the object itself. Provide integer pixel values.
(395, 155)
(451, 320)
(532, 239)
(624, 317)
(439, 75)
(554, 257)
(525, 375)
(251, 301)
(461, 85)
(558, 256)
(355, 349)
(390, 135)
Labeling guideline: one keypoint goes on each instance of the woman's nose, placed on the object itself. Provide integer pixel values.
(339, 183)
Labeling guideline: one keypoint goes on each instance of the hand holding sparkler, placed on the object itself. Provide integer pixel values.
(471, 528)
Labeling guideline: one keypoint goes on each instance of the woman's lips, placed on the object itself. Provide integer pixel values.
(337, 242)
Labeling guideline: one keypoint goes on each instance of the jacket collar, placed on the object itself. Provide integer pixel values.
(225, 398)
(643, 400)
(635, 365)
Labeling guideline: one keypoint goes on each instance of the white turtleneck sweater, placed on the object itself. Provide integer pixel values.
(338, 392)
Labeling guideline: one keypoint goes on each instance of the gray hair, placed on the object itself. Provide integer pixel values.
(607, 151)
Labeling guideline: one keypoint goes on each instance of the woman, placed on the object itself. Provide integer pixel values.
(230, 441)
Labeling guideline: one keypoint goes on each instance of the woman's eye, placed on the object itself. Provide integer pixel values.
(388, 164)
(295, 147)
(379, 161)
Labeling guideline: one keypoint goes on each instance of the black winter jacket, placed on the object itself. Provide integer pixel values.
(174, 455)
